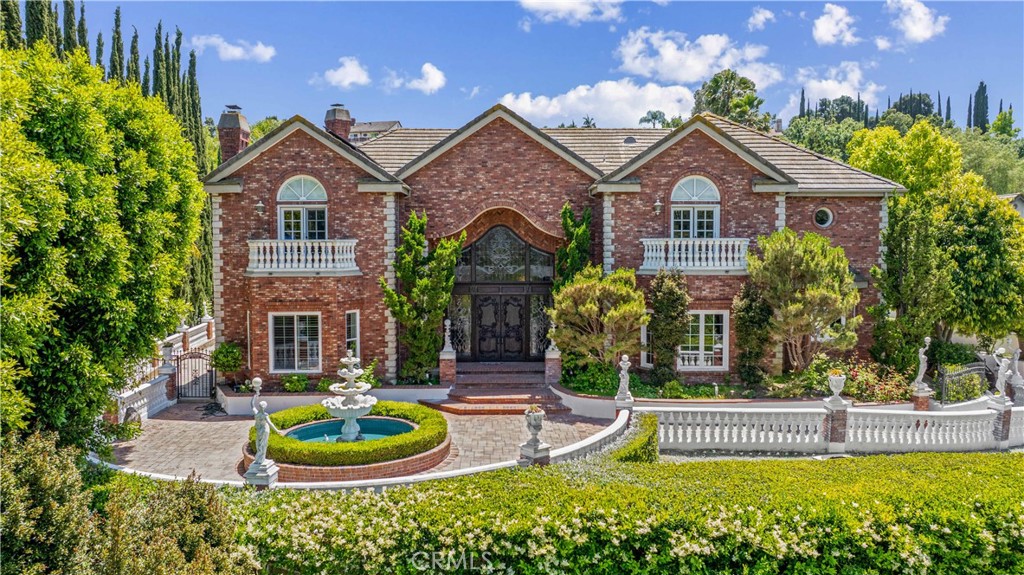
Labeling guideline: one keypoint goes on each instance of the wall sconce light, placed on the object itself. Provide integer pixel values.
(658, 206)
(260, 208)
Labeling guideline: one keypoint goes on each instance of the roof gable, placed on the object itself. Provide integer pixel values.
(497, 112)
(288, 127)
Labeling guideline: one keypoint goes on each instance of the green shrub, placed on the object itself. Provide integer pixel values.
(602, 379)
(324, 385)
(369, 375)
(753, 317)
(673, 390)
(643, 446)
(964, 387)
(945, 353)
(917, 514)
(295, 382)
(431, 432)
(227, 358)
(669, 321)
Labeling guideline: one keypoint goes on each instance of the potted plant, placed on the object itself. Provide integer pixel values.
(227, 359)
(836, 381)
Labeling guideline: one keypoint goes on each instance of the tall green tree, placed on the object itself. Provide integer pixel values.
(809, 287)
(731, 96)
(572, 257)
(656, 118)
(104, 243)
(669, 322)
(116, 70)
(99, 54)
(822, 136)
(803, 104)
(1003, 125)
(263, 127)
(949, 110)
(158, 62)
(37, 18)
(921, 161)
(970, 111)
(53, 30)
(938, 104)
(145, 78)
(83, 30)
(980, 119)
(995, 157)
(132, 72)
(70, 29)
(425, 283)
(10, 12)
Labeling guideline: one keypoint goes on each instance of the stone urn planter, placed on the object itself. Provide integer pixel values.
(836, 382)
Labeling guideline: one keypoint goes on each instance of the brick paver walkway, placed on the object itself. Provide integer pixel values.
(186, 437)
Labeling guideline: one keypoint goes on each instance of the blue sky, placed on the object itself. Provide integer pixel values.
(441, 64)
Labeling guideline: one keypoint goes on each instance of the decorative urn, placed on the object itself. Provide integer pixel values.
(836, 382)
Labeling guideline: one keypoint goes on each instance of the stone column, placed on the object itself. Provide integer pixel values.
(171, 371)
(183, 330)
(447, 357)
(1004, 413)
(552, 363)
(836, 413)
(922, 399)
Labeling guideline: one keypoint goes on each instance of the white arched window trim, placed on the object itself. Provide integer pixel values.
(302, 209)
(696, 209)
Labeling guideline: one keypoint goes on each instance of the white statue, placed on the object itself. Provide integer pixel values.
(922, 359)
(262, 432)
(623, 394)
(1003, 371)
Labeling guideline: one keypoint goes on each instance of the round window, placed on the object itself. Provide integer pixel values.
(823, 218)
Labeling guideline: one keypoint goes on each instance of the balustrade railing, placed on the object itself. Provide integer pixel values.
(694, 429)
(878, 430)
(302, 256)
(706, 254)
(1017, 427)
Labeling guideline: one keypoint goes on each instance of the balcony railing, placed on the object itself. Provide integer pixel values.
(302, 257)
(707, 255)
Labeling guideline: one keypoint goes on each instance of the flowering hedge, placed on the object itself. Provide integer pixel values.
(430, 432)
(918, 513)
(642, 447)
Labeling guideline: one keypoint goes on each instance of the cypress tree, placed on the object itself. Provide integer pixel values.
(196, 115)
(99, 53)
(53, 30)
(1000, 105)
(132, 73)
(948, 109)
(168, 91)
(10, 11)
(970, 111)
(803, 104)
(70, 29)
(158, 62)
(180, 108)
(83, 32)
(36, 16)
(981, 107)
(116, 71)
(876, 116)
(145, 79)
(938, 100)
(888, 102)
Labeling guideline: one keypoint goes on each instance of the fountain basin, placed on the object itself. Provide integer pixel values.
(371, 428)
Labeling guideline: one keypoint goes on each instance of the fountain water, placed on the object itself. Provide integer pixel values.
(351, 403)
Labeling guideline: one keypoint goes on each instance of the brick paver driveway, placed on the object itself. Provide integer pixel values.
(187, 436)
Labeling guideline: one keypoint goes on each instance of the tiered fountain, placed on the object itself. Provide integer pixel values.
(351, 403)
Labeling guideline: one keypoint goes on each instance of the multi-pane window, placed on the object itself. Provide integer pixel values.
(352, 332)
(299, 223)
(706, 341)
(296, 342)
(646, 353)
(695, 208)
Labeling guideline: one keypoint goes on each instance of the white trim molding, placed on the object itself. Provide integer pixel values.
(608, 234)
(780, 211)
(216, 225)
(390, 325)
(700, 353)
(271, 368)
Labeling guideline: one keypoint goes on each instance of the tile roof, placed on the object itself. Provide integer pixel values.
(399, 147)
(380, 126)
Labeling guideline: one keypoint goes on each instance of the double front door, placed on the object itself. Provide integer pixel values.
(500, 326)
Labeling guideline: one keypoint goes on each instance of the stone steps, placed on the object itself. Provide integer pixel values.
(508, 395)
(500, 380)
(461, 408)
(494, 367)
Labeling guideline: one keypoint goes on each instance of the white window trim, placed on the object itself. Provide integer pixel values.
(725, 344)
(693, 220)
(359, 334)
(644, 355)
(270, 338)
(300, 177)
(314, 206)
(694, 177)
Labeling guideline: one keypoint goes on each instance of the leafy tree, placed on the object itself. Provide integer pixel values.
(980, 119)
(920, 161)
(668, 323)
(10, 18)
(1003, 125)
(145, 78)
(158, 63)
(37, 22)
(426, 280)
(121, 214)
(588, 122)
(132, 72)
(995, 157)
(915, 105)
(99, 54)
(83, 31)
(915, 282)
(753, 317)
(656, 118)
(949, 110)
(824, 137)
(731, 96)
(808, 285)
(116, 70)
(803, 104)
(598, 318)
(572, 257)
(70, 29)
(262, 128)
(895, 119)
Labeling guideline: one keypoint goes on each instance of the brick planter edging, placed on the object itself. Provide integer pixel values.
(411, 465)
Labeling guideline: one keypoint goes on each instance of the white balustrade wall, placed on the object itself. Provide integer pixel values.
(874, 430)
(711, 254)
(732, 429)
(296, 256)
(1017, 427)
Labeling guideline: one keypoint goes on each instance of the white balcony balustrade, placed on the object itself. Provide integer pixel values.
(711, 255)
(302, 257)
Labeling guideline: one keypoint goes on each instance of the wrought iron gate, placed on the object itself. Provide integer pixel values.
(195, 376)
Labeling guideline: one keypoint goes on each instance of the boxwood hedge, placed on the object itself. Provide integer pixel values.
(642, 447)
(431, 432)
(918, 514)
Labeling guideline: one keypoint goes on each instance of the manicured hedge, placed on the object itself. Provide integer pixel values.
(917, 514)
(642, 447)
(431, 432)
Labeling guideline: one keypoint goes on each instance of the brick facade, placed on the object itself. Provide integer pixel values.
(498, 175)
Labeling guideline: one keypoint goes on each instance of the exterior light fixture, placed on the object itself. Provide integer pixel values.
(658, 206)
(260, 208)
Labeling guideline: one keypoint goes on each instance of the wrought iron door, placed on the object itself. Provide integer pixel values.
(195, 376)
(501, 327)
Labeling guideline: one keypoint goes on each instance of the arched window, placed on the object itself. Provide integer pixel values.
(695, 208)
(303, 221)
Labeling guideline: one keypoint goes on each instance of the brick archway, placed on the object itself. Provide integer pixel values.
(517, 222)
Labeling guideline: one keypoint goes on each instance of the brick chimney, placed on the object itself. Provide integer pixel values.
(338, 121)
(233, 132)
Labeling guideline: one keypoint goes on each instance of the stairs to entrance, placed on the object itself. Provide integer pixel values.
(498, 388)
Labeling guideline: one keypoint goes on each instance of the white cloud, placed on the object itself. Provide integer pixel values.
(759, 17)
(612, 103)
(835, 25)
(883, 43)
(917, 22)
(846, 79)
(470, 92)
(346, 76)
(430, 81)
(241, 50)
(573, 12)
(669, 56)
(526, 25)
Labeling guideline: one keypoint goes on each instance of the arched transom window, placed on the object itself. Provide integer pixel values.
(695, 208)
(308, 219)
